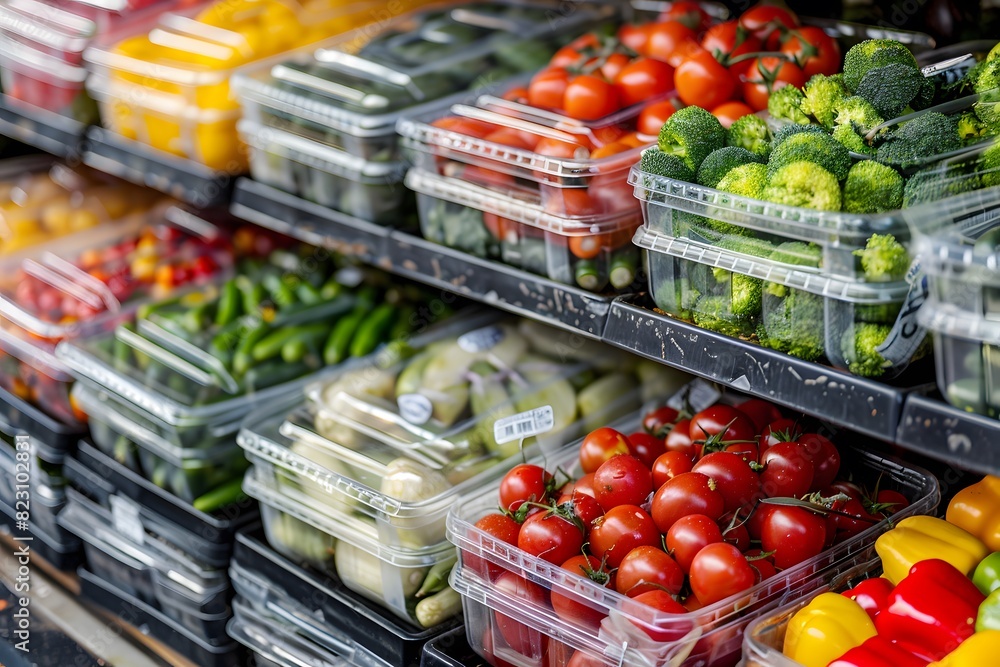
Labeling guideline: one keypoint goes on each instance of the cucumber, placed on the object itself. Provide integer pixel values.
(198, 317)
(403, 326)
(243, 359)
(294, 350)
(229, 304)
(122, 352)
(372, 330)
(227, 494)
(273, 373)
(624, 266)
(331, 289)
(438, 608)
(271, 345)
(308, 294)
(251, 294)
(587, 276)
(308, 339)
(598, 402)
(339, 342)
(279, 290)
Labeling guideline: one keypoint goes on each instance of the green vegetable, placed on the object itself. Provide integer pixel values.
(747, 245)
(243, 358)
(657, 162)
(438, 608)
(804, 184)
(859, 345)
(713, 313)
(595, 402)
(691, 134)
(360, 570)
(271, 345)
(251, 293)
(970, 128)
(852, 140)
(939, 182)
(273, 373)
(878, 313)
(338, 344)
(721, 161)
(229, 304)
(884, 258)
(791, 129)
(917, 140)
(989, 163)
(373, 330)
(872, 187)
(624, 266)
(786, 104)
(793, 323)
(307, 294)
(437, 578)
(308, 544)
(871, 54)
(987, 574)
(822, 95)
(308, 338)
(587, 275)
(821, 149)
(750, 132)
(489, 401)
(798, 253)
(748, 180)
(744, 293)
(227, 494)
(986, 84)
(890, 88)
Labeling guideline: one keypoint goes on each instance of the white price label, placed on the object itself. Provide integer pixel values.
(699, 394)
(480, 340)
(524, 425)
(125, 518)
(415, 408)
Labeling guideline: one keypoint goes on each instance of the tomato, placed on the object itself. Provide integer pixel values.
(687, 493)
(715, 427)
(505, 136)
(701, 80)
(824, 456)
(763, 566)
(585, 507)
(734, 478)
(635, 37)
(562, 149)
(570, 54)
(766, 75)
(760, 412)
(767, 22)
(607, 150)
(727, 40)
(891, 501)
(489, 643)
(642, 80)
(500, 527)
(688, 12)
(788, 471)
(689, 535)
(613, 65)
(498, 227)
(719, 571)
(653, 116)
(755, 523)
(735, 532)
(476, 174)
(851, 518)
(622, 480)
(847, 488)
(815, 52)
(635, 139)
(779, 430)
(466, 126)
(619, 531)
(670, 41)
(518, 636)
(584, 485)
(581, 659)
(572, 607)
(794, 534)
(575, 202)
(648, 568)
(547, 89)
(679, 439)
(645, 447)
(661, 601)
(599, 446)
(588, 97)
(518, 94)
(669, 465)
(551, 535)
(729, 112)
(524, 483)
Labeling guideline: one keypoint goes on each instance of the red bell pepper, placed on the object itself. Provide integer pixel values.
(931, 611)
(879, 652)
(872, 595)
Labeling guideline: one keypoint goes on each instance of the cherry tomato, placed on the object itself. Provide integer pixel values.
(643, 79)
(489, 644)
(635, 37)
(815, 52)
(613, 65)
(679, 439)
(760, 412)
(715, 427)
(518, 94)
(661, 601)
(763, 566)
(779, 430)
(635, 139)
(794, 534)
(619, 531)
(571, 54)
(689, 535)
(670, 41)
(501, 527)
(824, 456)
(688, 12)
(755, 524)
(645, 447)
(669, 465)
(584, 485)
(687, 493)
(729, 112)
(891, 501)
(648, 568)
(653, 116)
(719, 571)
(496, 225)
(547, 89)
(852, 518)
(734, 478)
(728, 40)
(518, 636)
(607, 150)
(766, 75)
(466, 126)
(735, 532)
(574, 608)
(550, 536)
(788, 471)
(588, 97)
(599, 446)
(701, 80)
(847, 488)
(524, 483)
(573, 202)
(505, 136)
(585, 507)
(767, 22)
(562, 149)
(622, 480)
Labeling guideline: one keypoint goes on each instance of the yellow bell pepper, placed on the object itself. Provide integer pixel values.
(979, 650)
(919, 538)
(977, 509)
(825, 629)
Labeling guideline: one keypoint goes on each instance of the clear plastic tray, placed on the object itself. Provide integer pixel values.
(693, 630)
(275, 643)
(348, 93)
(32, 79)
(590, 252)
(60, 549)
(47, 28)
(19, 489)
(371, 191)
(46, 462)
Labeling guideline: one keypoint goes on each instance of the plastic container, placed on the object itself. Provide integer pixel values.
(22, 487)
(275, 643)
(371, 191)
(201, 651)
(349, 93)
(36, 80)
(450, 650)
(44, 464)
(19, 416)
(60, 549)
(588, 251)
(45, 28)
(363, 632)
(688, 637)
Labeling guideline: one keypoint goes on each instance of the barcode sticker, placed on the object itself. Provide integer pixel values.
(415, 408)
(906, 335)
(125, 518)
(698, 393)
(480, 340)
(524, 425)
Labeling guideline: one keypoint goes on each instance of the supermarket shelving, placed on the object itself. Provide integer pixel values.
(42, 129)
(935, 429)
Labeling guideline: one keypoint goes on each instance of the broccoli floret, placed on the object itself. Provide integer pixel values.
(851, 140)
(747, 245)
(794, 324)
(859, 345)
(786, 104)
(938, 182)
(747, 180)
(804, 184)
(858, 113)
(871, 54)
(878, 313)
(791, 129)
(721, 161)
(657, 162)
(917, 140)
(989, 165)
(744, 293)
(822, 95)
(691, 134)
(796, 253)
(713, 313)
(883, 258)
(987, 86)
(821, 149)
(891, 88)
(970, 128)
(872, 187)
(928, 91)
(752, 133)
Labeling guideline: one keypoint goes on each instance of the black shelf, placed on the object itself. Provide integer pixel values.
(45, 130)
(939, 431)
(138, 163)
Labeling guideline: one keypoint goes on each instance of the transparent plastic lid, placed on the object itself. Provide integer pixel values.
(951, 320)
(277, 642)
(27, 61)
(50, 26)
(361, 81)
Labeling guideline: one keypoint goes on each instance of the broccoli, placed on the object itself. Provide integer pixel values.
(938, 182)
(822, 95)
(857, 112)
(794, 324)
(691, 134)
(657, 162)
(872, 187)
(891, 88)
(879, 313)
(747, 245)
(796, 253)
(851, 140)
(915, 141)
(791, 129)
(676, 296)
(712, 313)
(928, 91)
(744, 292)
(859, 345)
(804, 184)
(747, 180)
(752, 133)
(989, 165)
(884, 258)
(871, 54)
(786, 104)
(987, 86)
(721, 161)
(821, 149)
(970, 128)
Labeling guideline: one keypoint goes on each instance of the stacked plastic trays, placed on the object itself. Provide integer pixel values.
(322, 125)
(510, 625)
